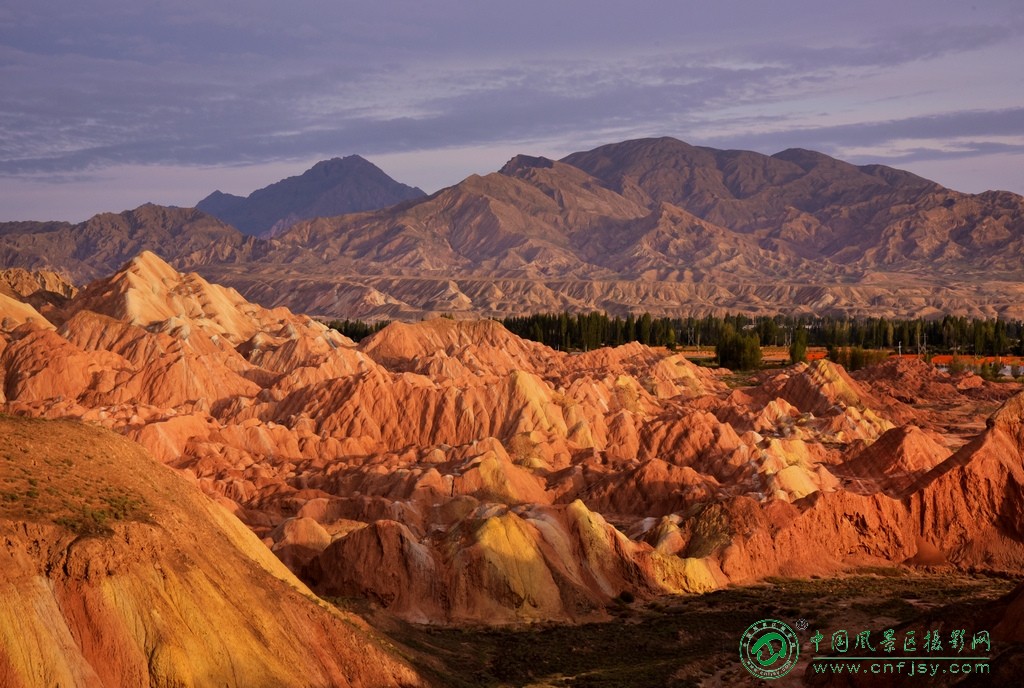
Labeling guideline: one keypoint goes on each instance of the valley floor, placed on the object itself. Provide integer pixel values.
(692, 640)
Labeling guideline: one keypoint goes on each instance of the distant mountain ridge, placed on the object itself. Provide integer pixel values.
(103, 243)
(331, 187)
(659, 225)
(652, 225)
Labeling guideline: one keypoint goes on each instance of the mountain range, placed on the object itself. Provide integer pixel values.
(651, 225)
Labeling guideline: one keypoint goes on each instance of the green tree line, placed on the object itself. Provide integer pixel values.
(950, 334)
(585, 331)
(357, 329)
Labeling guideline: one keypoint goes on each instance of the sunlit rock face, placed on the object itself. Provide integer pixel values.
(452, 472)
(119, 572)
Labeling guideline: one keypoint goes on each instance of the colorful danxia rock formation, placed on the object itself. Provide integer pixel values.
(452, 472)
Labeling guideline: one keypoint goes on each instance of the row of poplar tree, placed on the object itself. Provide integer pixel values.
(737, 338)
(950, 334)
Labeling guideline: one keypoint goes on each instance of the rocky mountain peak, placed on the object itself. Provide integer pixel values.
(331, 187)
(524, 162)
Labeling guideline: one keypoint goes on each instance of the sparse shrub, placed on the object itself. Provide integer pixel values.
(711, 530)
(520, 447)
(122, 506)
(87, 522)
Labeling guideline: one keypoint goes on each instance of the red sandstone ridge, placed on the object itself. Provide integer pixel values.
(118, 572)
(40, 282)
(451, 472)
(150, 293)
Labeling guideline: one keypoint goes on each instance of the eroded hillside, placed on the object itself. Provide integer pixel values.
(119, 572)
(452, 472)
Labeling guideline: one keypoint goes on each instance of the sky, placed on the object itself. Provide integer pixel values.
(108, 104)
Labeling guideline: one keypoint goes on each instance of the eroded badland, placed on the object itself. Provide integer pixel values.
(444, 472)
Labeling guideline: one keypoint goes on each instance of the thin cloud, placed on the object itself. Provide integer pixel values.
(242, 83)
(972, 130)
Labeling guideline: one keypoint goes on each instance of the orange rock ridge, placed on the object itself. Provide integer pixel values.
(453, 472)
(118, 572)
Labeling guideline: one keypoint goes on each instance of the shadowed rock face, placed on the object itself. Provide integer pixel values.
(451, 472)
(651, 224)
(118, 572)
(331, 187)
